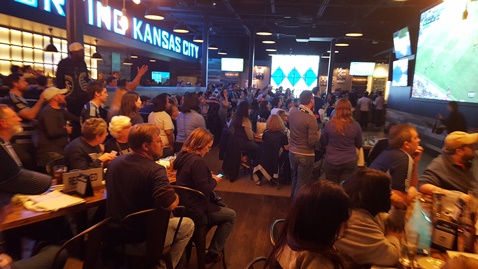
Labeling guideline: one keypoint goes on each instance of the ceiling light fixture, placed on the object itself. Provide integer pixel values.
(96, 55)
(152, 60)
(153, 14)
(342, 44)
(213, 46)
(134, 56)
(127, 61)
(325, 56)
(198, 38)
(334, 51)
(50, 47)
(222, 52)
(271, 49)
(354, 32)
(124, 20)
(137, 2)
(264, 31)
(180, 28)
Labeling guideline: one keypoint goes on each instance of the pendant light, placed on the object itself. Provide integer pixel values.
(50, 47)
(96, 55)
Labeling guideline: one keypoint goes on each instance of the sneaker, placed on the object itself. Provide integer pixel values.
(213, 257)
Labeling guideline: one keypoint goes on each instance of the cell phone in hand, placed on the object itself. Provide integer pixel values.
(219, 175)
(114, 152)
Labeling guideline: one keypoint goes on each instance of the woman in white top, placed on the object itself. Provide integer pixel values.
(163, 121)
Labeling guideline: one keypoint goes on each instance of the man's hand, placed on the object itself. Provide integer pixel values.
(142, 70)
(417, 155)
(68, 129)
(106, 157)
(216, 178)
(399, 200)
(5, 261)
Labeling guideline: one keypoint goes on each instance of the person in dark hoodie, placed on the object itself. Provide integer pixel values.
(193, 172)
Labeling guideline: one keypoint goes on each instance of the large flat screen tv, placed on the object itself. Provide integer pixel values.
(160, 76)
(447, 53)
(232, 64)
(297, 72)
(400, 72)
(362, 68)
(401, 43)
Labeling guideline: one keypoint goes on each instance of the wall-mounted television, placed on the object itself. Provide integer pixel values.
(160, 76)
(232, 64)
(447, 53)
(297, 72)
(401, 43)
(362, 68)
(400, 72)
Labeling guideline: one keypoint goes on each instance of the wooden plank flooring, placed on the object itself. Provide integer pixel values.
(250, 235)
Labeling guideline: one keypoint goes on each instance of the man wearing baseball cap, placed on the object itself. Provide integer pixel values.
(73, 74)
(52, 126)
(452, 170)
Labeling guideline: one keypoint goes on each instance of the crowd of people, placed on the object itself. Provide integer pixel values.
(365, 223)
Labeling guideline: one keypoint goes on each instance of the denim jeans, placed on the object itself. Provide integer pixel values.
(339, 173)
(185, 233)
(224, 218)
(301, 168)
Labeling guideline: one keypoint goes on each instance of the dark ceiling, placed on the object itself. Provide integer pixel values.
(233, 23)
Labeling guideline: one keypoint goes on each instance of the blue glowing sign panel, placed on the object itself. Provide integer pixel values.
(108, 18)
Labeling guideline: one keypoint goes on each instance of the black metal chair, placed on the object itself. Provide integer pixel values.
(202, 226)
(257, 260)
(84, 247)
(157, 221)
(274, 232)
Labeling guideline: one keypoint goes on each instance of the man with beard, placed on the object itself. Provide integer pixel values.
(53, 126)
(73, 75)
(453, 169)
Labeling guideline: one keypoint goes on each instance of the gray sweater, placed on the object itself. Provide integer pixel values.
(303, 131)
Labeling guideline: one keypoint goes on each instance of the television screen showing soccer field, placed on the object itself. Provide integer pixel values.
(447, 53)
(297, 72)
(401, 43)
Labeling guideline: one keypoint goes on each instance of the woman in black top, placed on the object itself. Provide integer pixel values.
(193, 172)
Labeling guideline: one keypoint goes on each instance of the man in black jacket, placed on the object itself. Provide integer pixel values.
(455, 120)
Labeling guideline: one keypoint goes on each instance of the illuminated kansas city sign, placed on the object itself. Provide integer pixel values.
(108, 18)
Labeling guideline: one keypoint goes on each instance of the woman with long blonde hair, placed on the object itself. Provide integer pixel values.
(342, 136)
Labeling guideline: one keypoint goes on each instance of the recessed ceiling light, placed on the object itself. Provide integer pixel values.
(342, 44)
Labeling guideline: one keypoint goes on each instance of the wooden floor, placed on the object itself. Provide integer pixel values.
(250, 235)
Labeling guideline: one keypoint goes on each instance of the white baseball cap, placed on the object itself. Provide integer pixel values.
(75, 46)
(49, 93)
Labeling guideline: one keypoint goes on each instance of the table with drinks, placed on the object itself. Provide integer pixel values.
(21, 216)
(440, 227)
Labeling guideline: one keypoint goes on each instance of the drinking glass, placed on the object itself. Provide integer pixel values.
(409, 246)
(437, 205)
(58, 171)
